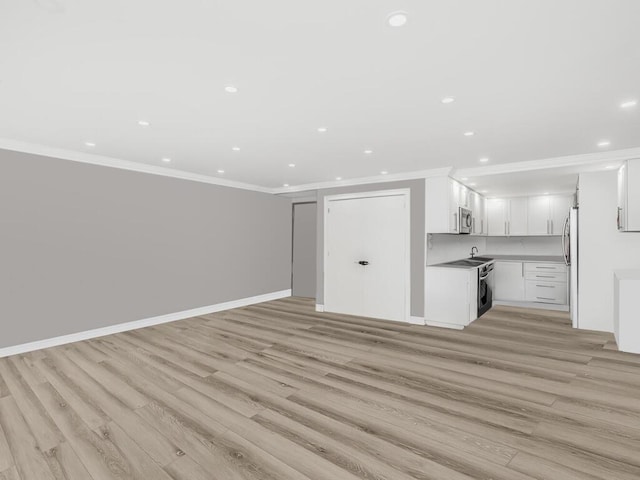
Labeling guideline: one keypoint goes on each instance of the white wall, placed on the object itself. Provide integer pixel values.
(524, 245)
(444, 248)
(601, 249)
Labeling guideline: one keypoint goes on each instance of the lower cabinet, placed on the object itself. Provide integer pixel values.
(529, 282)
(508, 281)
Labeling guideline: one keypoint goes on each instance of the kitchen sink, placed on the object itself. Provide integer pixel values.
(467, 262)
(482, 259)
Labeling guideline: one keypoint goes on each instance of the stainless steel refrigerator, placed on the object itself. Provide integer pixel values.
(570, 252)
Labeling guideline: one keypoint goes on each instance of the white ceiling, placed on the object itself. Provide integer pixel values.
(533, 79)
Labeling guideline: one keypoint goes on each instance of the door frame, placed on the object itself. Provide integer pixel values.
(405, 192)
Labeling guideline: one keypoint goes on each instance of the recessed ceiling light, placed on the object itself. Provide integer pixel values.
(469, 134)
(383, 172)
(629, 104)
(143, 123)
(166, 159)
(397, 19)
(464, 179)
(220, 171)
(546, 193)
(285, 184)
(484, 160)
(338, 178)
(472, 184)
(231, 89)
(368, 152)
(610, 167)
(604, 143)
(235, 149)
(448, 100)
(292, 165)
(484, 191)
(90, 144)
(322, 129)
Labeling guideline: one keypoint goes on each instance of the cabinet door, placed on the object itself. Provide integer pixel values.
(454, 205)
(622, 197)
(497, 217)
(509, 281)
(517, 222)
(538, 222)
(559, 211)
(464, 196)
(477, 203)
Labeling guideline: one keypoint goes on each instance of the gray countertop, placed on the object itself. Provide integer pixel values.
(527, 258)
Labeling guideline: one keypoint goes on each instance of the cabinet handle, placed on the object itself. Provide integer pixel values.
(545, 268)
(545, 276)
(455, 222)
(546, 286)
(522, 269)
(482, 225)
(473, 221)
(509, 227)
(546, 298)
(547, 226)
(551, 229)
(505, 228)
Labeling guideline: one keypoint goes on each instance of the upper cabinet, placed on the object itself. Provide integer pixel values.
(523, 216)
(629, 196)
(444, 198)
(507, 216)
(479, 213)
(547, 214)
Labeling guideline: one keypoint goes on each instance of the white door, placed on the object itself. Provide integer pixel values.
(367, 256)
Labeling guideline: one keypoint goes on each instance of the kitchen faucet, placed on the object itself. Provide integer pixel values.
(472, 249)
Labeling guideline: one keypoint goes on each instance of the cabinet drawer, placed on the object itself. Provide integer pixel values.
(545, 267)
(547, 276)
(546, 292)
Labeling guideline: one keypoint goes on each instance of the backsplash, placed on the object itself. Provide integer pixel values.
(524, 245)
(444, 248)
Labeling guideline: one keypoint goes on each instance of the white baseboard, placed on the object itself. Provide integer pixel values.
(444, 325)
(146, 322)
(539, 306)
(319, 308)
(416, 320)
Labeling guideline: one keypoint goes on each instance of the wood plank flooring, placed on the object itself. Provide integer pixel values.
(278, 391)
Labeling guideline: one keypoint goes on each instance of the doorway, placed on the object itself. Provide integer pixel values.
(304, 256)
(367, 254)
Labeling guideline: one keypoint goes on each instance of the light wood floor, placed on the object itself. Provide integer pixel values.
(278, 391)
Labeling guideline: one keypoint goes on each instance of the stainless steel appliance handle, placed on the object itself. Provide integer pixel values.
(564, 241)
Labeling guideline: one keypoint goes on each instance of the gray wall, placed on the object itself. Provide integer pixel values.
(304, 249)
(85, 246)
(417, 188)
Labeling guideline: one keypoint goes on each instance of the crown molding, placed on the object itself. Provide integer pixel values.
(547, 163)
(104, 161)
(396, 177)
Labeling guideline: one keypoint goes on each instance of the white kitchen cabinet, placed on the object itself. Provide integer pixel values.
(547, 213)
(517, 221)
(497, 216)
(444, 197)
(479, 214)
(559, 207)
(629, 196)
(546, 283)
(509, 281)
(451, 296)
(507, 216)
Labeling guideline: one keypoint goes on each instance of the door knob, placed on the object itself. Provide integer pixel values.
(363, 262)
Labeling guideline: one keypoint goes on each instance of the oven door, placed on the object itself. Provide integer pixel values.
(485, 291)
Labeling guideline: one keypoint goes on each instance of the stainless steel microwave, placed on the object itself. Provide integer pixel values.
(466, 220)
